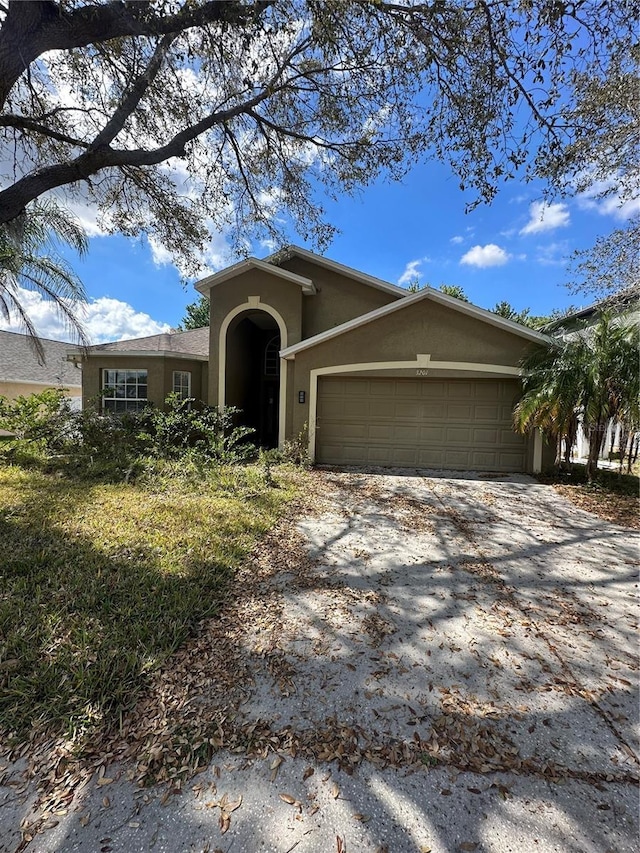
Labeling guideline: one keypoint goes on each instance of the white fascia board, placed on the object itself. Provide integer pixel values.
(136, 353)
(427, 293)
(362, 320)
(206, 284)
(488, 317)
(349, 272)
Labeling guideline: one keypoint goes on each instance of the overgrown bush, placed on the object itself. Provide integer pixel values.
(38, 424)
(106, 445)
(203, 431)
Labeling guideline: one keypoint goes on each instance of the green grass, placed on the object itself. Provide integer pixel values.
(100, 583)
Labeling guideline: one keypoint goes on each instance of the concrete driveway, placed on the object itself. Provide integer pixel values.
(422, 663)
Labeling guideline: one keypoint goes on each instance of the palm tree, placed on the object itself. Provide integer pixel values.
(592, 374)
(30, 259)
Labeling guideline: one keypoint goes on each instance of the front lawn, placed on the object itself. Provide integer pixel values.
(100, 583)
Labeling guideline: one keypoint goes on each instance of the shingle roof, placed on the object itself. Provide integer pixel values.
(19, 362)
(192, 342)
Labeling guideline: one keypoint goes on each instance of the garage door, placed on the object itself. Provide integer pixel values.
(459, 424)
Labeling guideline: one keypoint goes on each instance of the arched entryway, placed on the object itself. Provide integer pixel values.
(252, 373)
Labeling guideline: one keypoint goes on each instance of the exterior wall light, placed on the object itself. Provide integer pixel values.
(301, 396)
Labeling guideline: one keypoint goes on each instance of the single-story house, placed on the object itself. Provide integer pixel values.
(22, 373)
(374, 374)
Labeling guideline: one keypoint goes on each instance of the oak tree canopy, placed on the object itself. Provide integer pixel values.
(178, 118)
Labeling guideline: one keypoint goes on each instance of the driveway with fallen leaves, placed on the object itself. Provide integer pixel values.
(414, 663)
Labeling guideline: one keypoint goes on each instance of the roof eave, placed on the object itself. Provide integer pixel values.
(436, 296)
(206, 284)
(350, 272)
(134, 353)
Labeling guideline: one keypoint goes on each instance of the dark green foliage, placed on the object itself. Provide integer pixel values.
(196, 315)
(107, 446)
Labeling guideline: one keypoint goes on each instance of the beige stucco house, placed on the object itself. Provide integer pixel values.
(373, 374)
(23, 372)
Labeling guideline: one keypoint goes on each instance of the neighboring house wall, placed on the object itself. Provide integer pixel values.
(21, 373)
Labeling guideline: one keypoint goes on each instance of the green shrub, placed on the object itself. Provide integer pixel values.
(102, 445)
(197, 430)
(39, 423)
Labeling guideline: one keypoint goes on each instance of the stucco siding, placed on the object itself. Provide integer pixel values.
(159, 375)
(338, 298)
(283, 296)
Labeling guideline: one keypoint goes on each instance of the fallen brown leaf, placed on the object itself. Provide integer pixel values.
(287, 798)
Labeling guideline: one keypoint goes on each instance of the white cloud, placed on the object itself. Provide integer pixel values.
(412, 272)
(485, 256)
(104, 319)
(546, 217)
(611, 204)
(457, 239)
(553, 254)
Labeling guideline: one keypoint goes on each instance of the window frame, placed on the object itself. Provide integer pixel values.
(180, 393)
(121, 402)
(272, 357)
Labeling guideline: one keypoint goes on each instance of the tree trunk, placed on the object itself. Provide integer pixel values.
(596, 438)
(634, 441)
(622, 444)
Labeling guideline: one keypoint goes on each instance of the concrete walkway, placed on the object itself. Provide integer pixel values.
(425, 663)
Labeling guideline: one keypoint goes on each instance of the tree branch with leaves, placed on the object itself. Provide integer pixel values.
(179, 119)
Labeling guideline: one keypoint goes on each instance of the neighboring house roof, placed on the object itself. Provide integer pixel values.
(619, 303)
(19, 362)
(410, 299)
(308, 287)
(193, 343)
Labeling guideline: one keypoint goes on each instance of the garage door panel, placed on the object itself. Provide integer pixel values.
(485, 459)
(380, 432)
(489, 413)
(432, 435)
(458, 459)
(509, 439)
(459, 389)
(456, 424)
(458, 435)
(460, 412)
(350, 430)
(486, 435)
(433, 390)
(430, 458)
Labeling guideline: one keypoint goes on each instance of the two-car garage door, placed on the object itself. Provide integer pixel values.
(459, 424)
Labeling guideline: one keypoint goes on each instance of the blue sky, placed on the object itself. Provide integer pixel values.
(515, 249)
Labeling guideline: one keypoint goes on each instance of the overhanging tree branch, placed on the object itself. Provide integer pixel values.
(33, 28)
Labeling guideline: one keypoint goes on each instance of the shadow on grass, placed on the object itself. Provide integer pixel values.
(100, 584)
(606, 480)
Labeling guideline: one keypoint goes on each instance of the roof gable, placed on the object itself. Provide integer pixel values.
(289, 252)
(205, 285)
(428, 293)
